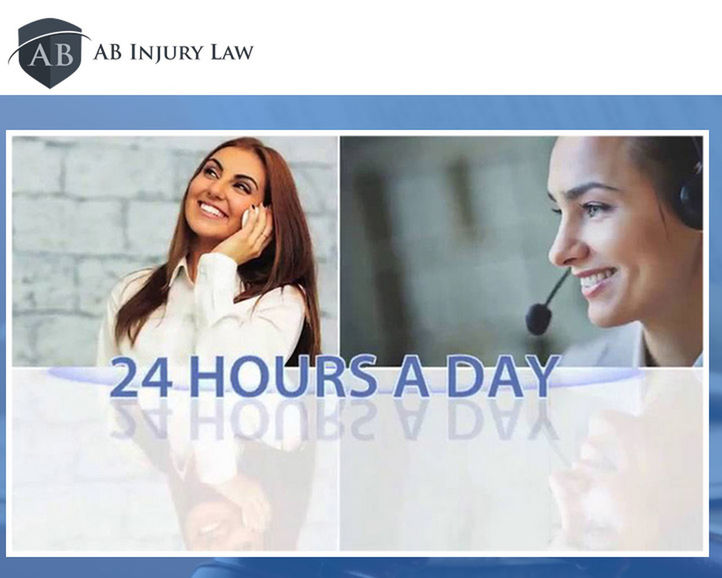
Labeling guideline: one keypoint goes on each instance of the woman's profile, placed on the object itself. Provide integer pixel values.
(630, 230)
(240, 275)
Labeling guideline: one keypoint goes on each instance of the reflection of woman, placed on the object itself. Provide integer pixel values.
(631, 240)
(257, 509)
(240, 276)
(636, 483)
(227, 496)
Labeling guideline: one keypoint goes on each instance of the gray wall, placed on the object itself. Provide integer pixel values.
(88, 210)
(444, 247)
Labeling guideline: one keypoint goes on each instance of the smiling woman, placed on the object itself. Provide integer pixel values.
(630, 231)
(240, 276)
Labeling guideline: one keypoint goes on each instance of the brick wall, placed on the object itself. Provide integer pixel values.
(88, 210)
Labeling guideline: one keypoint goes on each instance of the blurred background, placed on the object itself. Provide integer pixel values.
(89, 210)
(445, 244)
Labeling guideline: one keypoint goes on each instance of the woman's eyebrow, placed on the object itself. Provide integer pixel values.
(238, 176)
(579, 190)
(250, 178)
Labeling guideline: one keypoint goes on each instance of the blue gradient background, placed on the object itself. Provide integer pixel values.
(384, 112)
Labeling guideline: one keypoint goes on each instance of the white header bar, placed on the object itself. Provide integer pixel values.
(375, 47)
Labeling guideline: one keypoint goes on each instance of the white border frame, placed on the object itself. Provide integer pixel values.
(10, 134)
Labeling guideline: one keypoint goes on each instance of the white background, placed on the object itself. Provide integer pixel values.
(375, 47)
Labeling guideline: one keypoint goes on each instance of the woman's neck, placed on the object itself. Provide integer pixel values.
(198, 249)
(675, 337)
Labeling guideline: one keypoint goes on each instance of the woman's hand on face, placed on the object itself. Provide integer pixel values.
(249, 495)
(249, 242)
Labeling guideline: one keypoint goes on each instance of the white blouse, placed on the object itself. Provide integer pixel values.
(202, 319)
(621, 346)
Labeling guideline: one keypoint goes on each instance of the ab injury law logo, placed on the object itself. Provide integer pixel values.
(49, 50)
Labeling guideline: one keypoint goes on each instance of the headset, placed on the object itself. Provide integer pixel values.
(688, 204)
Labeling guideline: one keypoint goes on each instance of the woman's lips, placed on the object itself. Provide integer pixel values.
(593, 282)
(211, 211)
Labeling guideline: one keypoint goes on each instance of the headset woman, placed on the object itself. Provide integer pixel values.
(240, 276)
(630, 231)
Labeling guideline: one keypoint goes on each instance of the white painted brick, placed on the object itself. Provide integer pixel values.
(97, 276)
(42, 458)
(317, 188)
(33, 507)
(37, 439)
(151, 512)
(25, 410)
(43, 282)
(329, 336)
(67, 340)
(36, 166)
(54, 387)
(201, 144)
(70, 516)
(323, 235)
(328, 289)
(67, 226)
(316, 150)
(106, 458)
(24, 350)
(102, 168)
(185, 163)
(305, 149)
(150, 227)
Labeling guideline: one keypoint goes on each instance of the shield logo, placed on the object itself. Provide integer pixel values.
(49, 50)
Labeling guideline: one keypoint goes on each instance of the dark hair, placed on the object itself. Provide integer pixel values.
(668, 161)
(288, 259)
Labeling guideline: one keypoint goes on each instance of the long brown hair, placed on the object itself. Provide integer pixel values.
(288, 259)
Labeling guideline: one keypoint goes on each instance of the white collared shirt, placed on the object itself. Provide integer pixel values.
(621, 346)
(202, 319)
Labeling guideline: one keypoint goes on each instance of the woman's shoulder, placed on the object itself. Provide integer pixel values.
(129, 285)
(285, 294)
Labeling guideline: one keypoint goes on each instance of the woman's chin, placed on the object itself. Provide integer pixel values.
(208, 232)
(605, 316)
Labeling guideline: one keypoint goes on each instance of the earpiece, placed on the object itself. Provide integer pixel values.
(689, 204)
(247, 213)
(244, 217)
